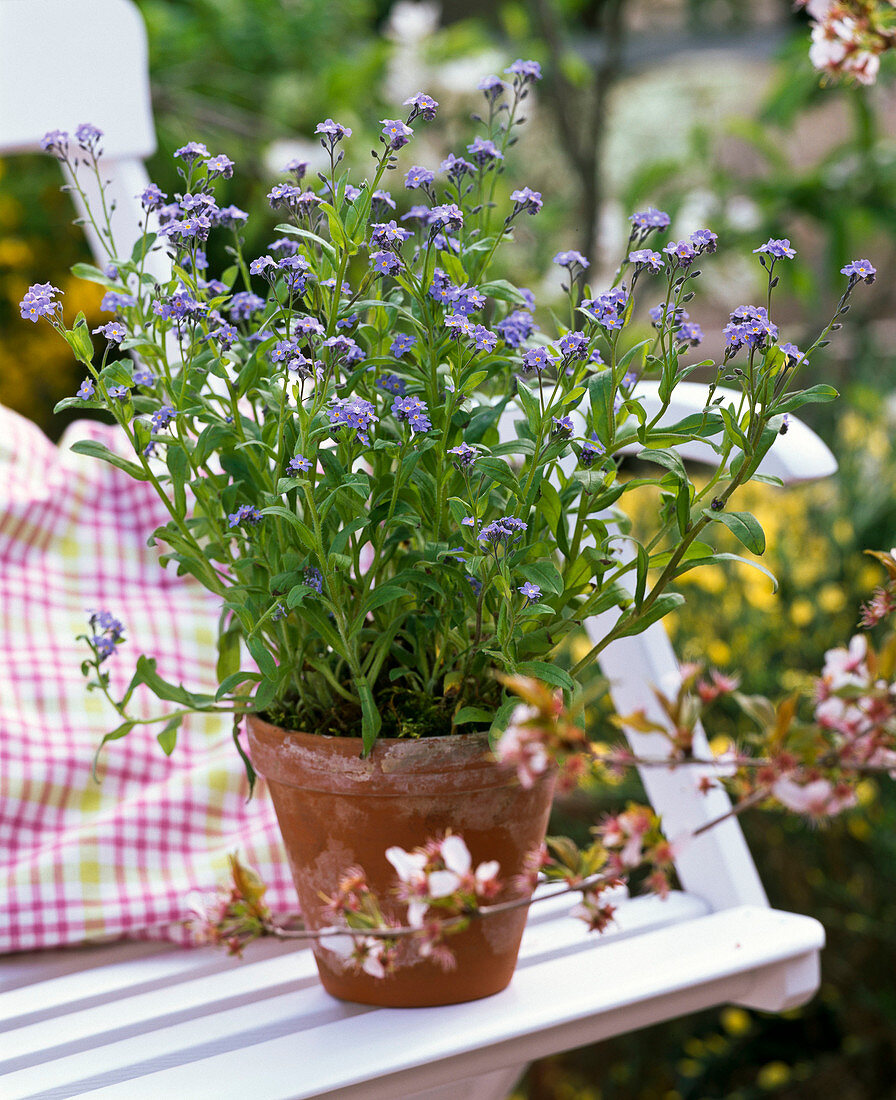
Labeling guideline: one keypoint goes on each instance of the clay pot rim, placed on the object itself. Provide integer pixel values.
(389, 742)
(395, 768)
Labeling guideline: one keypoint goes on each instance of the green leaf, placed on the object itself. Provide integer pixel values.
(93, 275)
(78, 339)
(262, 656)
(642, 565)
(228, 654)
(77, 403)
(328, 250)
(472, 714)
(659, 610)
(470, 380)
(499, 471)
(602, 389)
(503, 291)
(670, 459)
(234, 681)
(502, 717)
(370, 716)
(384, 594)
(116, 734)
(573, 396)
(247, 763)
(713, 559)
(168, 737)
(518, 446)
(531, 407)
(734, 429)
(452, 265)
(546, 575)
(356, 219)
(337, 229)
(550, 674)
(179, 468)
(813, 395)
(301, 529)
(743, 525)
(629, 355)
(142, 246)
(146, 673)
(683, 507)
(99, 450)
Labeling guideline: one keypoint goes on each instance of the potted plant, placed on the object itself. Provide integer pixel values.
(399, 487)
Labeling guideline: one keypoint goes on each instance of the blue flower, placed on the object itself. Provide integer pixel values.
(391, 383)
(298, 465)
(402, 343)
(162, 417)
(353, 412)
(418, 177)
(245, 514)
(524, 198)
(505, 530)
(395, 132)
(385, 263)
(571, 259)
(464, 456)
(574, 345)
(516, 327)
(422, 104)
(38, 302)
(531, 591)
(413, 411)
(539, 359)
(645, 257)
(779, 249)
(859, 269)
(648, 219)
(193, 150)
(108, 633)
(483, 151)
(592, 450)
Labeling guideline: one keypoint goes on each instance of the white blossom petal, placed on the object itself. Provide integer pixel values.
(456, 855)
(408, 865)
(441, 884)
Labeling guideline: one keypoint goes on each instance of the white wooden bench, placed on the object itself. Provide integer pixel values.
(142, 1020)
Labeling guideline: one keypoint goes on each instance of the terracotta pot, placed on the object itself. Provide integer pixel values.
(337, 810)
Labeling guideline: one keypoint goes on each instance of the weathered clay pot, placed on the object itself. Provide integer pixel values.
(337, 810)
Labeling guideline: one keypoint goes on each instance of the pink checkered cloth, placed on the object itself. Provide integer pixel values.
(81, 860)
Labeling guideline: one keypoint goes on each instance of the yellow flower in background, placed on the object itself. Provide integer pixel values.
(831, 598)
(14, 252)
(802, 611)
(718, 652)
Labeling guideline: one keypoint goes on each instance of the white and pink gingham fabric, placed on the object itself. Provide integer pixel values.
(81, 860)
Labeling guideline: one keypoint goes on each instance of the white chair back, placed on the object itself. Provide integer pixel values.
(66, 62)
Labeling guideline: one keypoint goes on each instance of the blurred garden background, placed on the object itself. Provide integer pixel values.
(710, 110)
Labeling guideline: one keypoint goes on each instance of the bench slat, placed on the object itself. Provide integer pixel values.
(196, 1036)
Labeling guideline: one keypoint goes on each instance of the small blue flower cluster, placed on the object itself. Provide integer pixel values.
(353, 412)
(749, 325)
(414, 412)
(38, 302)
(245, 514)
(108, 632)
